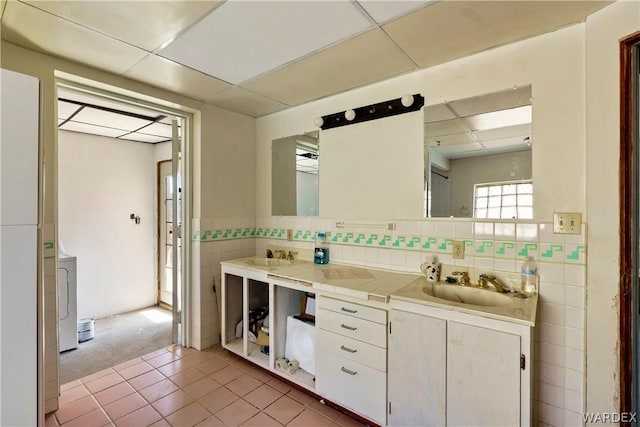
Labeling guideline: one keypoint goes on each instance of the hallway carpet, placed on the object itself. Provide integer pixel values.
(117, 339)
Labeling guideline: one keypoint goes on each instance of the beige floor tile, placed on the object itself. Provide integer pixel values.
(135, 370)
(243, 384)
(227, 374)
(201, 387)
(50, 420)
(97, 375)
(212, 421)
(347, 421)
(142, 417)
(190, 415)
(162, 359)
(172, 402)
(113, 393)
(263, 396)
(158, 390)
(161, 423)
(237, 413)
(103, 382)
(281, 386)
(154, 354)
(72, 394)
(186, 377)
(301, 397)
(284, 409)
(325, 410)
(146, 379)
(76, 408)
(95, 418)
(72, 384)
(218, 399)
(124, 406)
(261, 420)
(119, 367)
(310, 418)
(212, 365)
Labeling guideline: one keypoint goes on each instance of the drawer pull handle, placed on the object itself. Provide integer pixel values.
(350, 350)
(350, 328)
(348, 371)
(347, 310)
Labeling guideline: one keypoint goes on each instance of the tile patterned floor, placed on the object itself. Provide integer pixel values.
(177, 386)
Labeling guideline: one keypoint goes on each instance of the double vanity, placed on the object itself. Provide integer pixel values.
(388, 346)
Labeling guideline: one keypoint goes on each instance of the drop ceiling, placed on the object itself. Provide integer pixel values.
(260, 57)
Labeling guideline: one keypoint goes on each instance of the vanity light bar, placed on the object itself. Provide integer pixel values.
(393, 107)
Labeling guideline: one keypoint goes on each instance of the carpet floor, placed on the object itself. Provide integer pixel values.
(117, 339)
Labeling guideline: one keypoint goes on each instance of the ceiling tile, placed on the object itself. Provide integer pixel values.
(502, 118)
(513, 142)
(67, 109)
(365, 59)
(146, 24)
(172, 76)
(243, 39)
(158, 129)
(520, 131)
(446, 127)
(449, 30)
(142, 137)
(462, 150)
(113, 120)
(92, 129)
(495, 101)
(383, 11)
(437, 113)
(103, 101)
(245, 102)
(440, 141)
(41, 31)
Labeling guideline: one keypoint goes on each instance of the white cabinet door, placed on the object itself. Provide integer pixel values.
(417, 368)
(483, 376)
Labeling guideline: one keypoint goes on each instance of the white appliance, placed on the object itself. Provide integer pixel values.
(300, 344)
(19, 157)
(67, 302)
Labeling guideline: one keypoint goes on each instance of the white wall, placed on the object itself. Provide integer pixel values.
(101, 181)
(604, 30)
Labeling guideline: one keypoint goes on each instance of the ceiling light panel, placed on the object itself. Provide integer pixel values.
(143, 137)
(159, 129)
(240, 40)
(383, 11)
(104, 102)
(496, 119)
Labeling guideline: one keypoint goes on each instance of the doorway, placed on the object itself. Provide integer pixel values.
(114, 164)
(630, 224)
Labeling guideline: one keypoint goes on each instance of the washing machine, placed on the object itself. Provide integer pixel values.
(300, 344)
(67, 302)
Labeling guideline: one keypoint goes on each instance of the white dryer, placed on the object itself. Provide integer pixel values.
(300, 344)
(67, 303)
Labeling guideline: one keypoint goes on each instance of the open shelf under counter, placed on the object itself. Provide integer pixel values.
(235, 346)
(256, 356)
(300, 377)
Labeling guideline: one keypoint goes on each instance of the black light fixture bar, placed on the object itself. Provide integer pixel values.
(380, 110)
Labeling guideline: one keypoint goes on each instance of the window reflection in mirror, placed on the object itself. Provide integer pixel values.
(478, 142)
(294, 175)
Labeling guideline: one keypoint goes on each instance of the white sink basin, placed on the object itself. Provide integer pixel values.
(473, 296)
(267, 262)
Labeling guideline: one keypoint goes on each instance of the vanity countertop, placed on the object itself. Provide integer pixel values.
(383, 286)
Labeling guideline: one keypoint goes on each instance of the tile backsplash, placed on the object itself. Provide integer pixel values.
(490, 246)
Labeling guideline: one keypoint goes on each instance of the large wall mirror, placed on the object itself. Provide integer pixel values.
(294, 175)
(478, 156)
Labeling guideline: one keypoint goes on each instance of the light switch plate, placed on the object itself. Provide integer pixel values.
(457, 249)
(567, 222)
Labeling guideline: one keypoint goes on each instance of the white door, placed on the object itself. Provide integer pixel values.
(417, 356)
(483, 377)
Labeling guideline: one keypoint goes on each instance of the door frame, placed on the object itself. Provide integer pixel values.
(160, 205)
(629, 177)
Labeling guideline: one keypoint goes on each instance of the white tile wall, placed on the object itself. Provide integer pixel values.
(559, 335)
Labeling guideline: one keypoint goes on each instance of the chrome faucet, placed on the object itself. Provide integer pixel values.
(291, 255)
(484, 278)
(464, 278)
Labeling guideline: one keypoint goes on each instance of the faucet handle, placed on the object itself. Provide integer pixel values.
(464, 277)
(291, 255)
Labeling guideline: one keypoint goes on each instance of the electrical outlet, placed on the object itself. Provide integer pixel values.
(567, 222)
(457, 249)
(289, 234)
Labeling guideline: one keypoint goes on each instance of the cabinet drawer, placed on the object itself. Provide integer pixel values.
(357, 351)
(352, 327)
(352, 385)
(351, 309)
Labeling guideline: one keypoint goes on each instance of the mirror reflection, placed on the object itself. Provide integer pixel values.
(478, 156)
(294, 175)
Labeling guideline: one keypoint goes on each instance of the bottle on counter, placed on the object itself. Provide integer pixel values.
(321, 253)
(528, 277)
